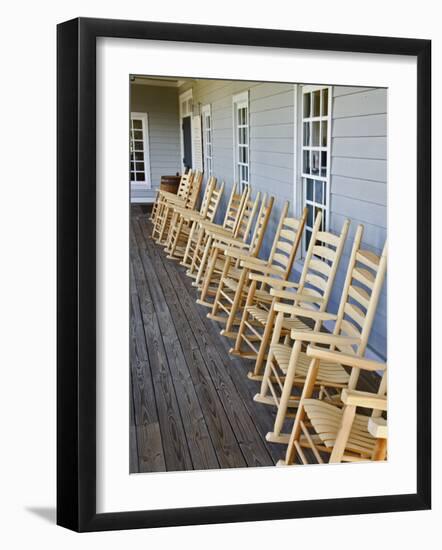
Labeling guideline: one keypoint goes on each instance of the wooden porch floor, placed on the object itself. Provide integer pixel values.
(192, 403)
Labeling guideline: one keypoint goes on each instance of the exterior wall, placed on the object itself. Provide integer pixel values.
(358, 183)
(271, 138)
(161, 105)
(358, 175)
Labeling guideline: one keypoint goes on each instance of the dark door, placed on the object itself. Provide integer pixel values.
(187, 143)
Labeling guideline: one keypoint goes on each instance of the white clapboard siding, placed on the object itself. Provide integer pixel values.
(161, 105)
(358, 185)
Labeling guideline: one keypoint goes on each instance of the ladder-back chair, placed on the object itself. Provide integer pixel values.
(311, 292)
(185, 220)
(240, 237)
(287, 364)
(162, 195)
(218, 258)
(230, 226)
(234, 283)
(163, 224)
(339, 433)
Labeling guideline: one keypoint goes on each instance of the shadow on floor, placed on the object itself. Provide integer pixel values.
(46, 513)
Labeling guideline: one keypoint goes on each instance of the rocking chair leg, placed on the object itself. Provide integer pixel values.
(287, 389)
(249, 302)
(236, 300)
(265, 341)
(307, 392)
(209, 270)
(189, 242)
(203, 263)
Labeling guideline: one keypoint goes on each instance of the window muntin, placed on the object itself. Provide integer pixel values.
(207, 137)
(315, 157)
(241, 135)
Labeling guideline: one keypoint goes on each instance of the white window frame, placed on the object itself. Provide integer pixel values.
(206, 112)
(185, 100)
(147, 183)
(240, 101)
(301, 177)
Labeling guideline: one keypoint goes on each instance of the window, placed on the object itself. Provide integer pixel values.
(241, 139)
(315, 155)
(207, 140)
(139, 151)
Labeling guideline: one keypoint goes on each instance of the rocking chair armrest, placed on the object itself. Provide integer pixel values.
(304, 312)
(364, 399)
(187, 213)
(345, 359)
(287, 295)
(323, 338)
(272, 281)
(377, 427)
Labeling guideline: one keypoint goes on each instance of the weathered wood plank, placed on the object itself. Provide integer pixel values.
(197, 435)
(222, 436)
(176, 452)
(219, 399)
(203, 333)
(134, 466)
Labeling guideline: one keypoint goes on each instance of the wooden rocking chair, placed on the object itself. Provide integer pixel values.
(185, 220)
(220, 245)
(234, 283)
(163, 223)
(162, 195)
(312, 293)
(230, 227)
(339, 433)
(241, 236)
(287, 365)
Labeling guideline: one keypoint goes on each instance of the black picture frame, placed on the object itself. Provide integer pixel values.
(76, 273)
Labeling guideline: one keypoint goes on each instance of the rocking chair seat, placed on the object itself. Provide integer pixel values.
(326, 420)
(231, 283)
(261, 315)
(329, 374)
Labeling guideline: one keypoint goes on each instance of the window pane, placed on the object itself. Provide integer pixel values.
(306, 162)
(138, 134)
(308, 236)
(306, 105)
(310, 215)
(138, 145)
(140, 166)
(139, 176)
(324, 133)
(315, 162)
(316, 103)
(139, 155)
(318, 192)
(309, 189)
(137, 124)
(132, 165)
(306, 138)
(325, 102)
(315, 134)
(323, 163)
